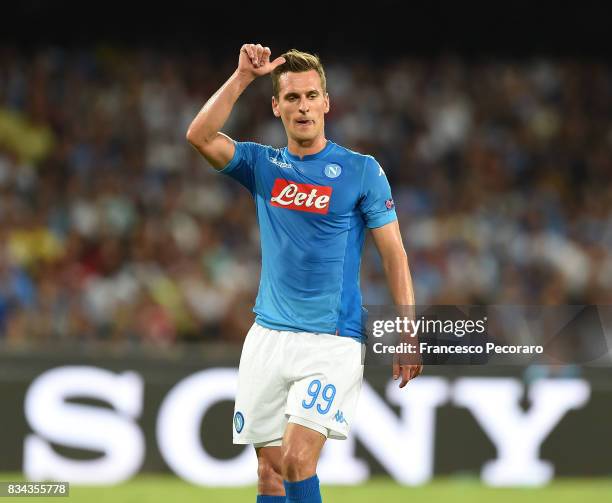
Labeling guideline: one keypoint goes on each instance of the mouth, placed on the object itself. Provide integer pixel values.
(304, 122)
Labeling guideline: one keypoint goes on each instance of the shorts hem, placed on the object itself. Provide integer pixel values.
(247, 441)
(332, 433)
(311, 425)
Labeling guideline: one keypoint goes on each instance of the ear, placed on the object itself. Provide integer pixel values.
(326, 109)
(275, 108)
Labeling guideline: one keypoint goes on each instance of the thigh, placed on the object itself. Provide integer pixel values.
(327, 383)
(262, 393)
(302, 445)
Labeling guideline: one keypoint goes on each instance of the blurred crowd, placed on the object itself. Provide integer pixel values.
(113, 228)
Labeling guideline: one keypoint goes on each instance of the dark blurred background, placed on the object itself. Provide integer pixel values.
(493, 124)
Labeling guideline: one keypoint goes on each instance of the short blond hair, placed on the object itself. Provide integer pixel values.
(297, 61)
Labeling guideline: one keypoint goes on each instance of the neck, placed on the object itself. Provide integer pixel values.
(306, 147)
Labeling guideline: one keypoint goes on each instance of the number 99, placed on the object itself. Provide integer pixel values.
(328, 394)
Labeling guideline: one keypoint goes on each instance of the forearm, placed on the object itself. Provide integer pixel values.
(388, 240)
(217, 109)
(399, 279)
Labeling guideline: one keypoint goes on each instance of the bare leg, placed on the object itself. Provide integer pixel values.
(300, 452)
(270, 478)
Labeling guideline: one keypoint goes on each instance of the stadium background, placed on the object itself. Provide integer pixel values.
(122, 251)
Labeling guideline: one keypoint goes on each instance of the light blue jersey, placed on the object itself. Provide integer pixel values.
(312, 214)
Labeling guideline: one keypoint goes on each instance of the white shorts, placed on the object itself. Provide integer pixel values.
(306, 378)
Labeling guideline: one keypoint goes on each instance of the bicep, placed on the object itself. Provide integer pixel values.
(219, 151)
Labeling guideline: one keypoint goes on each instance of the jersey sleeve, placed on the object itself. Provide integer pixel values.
(242, 166)
(376, 203)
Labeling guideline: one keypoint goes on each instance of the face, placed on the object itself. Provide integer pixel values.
(301, 105)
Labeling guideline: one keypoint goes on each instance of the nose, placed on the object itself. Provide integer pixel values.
(304, 105)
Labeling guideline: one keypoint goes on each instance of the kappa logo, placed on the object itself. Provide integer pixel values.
(339, 417)
(301, 196)
(280, 164)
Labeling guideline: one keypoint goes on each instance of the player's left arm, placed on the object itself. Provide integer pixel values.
(388, 241)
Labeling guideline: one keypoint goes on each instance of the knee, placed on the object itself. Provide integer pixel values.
(270, 479)
(297, 465)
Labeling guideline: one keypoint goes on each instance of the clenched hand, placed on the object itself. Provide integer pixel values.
(255, 61)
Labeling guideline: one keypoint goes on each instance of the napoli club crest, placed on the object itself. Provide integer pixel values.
(332, 170)
(238, 421)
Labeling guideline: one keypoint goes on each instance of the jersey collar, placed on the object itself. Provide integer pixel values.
(320, 154)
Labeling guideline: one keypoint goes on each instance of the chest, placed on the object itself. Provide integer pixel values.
(315, 188)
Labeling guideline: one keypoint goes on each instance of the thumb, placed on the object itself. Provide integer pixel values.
(277, 62)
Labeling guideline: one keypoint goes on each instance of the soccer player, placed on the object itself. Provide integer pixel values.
(301, 366)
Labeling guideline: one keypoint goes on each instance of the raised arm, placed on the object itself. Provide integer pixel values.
(204, 132)
(388, 241)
